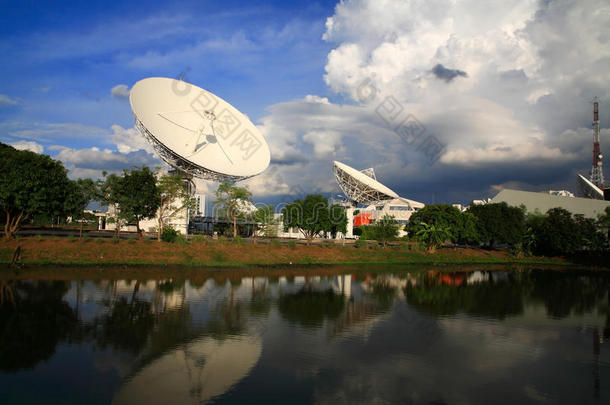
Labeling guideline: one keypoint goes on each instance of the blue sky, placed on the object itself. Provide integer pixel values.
(505, 89)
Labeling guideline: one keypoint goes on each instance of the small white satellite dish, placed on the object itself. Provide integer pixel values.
(359, 186)
(196, 131)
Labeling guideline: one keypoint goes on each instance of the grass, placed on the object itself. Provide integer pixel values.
(66, 252)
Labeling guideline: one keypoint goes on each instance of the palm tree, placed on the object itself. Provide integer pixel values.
(433, 236)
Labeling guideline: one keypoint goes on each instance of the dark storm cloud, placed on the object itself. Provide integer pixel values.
(446, 74)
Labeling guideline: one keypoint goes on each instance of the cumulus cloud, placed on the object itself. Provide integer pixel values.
(93, 161)
(129, 140)
(120, 91)
(28, 145)
(521, 117)
(6, 101)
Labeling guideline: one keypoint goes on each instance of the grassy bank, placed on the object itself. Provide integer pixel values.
(63, 251)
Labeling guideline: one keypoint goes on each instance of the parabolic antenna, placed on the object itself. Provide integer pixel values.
(589, 189)
(359, 187)
(196, 131)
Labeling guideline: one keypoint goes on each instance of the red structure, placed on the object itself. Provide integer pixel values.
(362, 219)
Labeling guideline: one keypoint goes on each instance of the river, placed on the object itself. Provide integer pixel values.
(429, 335)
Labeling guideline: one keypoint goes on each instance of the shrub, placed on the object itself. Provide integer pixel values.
(222, 239)
(39, 237)
(115, 239)
(275, 242)
(99, 240)
(199, 239)
(218, 257)
(237, 240)
(360, 243)
(292, 243)
(169, 234)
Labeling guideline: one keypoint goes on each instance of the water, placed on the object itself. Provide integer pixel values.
(342, 337)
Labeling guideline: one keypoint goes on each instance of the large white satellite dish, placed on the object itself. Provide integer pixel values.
(359, 186)
(589, 189)
(196, 131)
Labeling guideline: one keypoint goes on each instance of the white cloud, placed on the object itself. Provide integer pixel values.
(28, 145)
(120, 91)
(6, 101)
(129, 140)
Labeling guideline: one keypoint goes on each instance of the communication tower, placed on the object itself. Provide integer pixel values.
(597, 173)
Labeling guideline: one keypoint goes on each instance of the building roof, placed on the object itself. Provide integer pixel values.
(542, 202)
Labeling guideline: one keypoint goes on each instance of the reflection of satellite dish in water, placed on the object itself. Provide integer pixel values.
(197, 132)
(361, 186)
(192, 373)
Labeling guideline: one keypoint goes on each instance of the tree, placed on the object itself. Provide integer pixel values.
(558, 233)
(81, 193)
(383, 230)
(310, 215)
(232, 200)
(499, 223)
(140, 195)
(174, 198)
(263, 218)
(111, 195)
(30, 184)
(460, 225)
(337, 220)
(433, 236)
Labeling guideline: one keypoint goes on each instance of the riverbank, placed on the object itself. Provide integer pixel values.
(62, 251)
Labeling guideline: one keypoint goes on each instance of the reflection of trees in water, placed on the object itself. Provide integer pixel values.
(570, 293)
(494, 299)
(33, 323)
(561, 293)
(309, 307)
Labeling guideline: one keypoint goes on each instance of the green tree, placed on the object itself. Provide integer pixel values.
(30, 184)
(232, 200)
(383, 230)
(139, 198)
(310, 215)
(431, 235)
(558, 234)
(111, 191)
(263, 218)
(499, 223)
(81, 193)
(460, 225)
(337, 220)
(174, 199)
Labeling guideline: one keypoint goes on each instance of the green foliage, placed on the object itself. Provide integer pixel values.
(218, 256)
(199, 239)
(275, 243)
(361, 243)
(232, 201)
(292, 243)
(313, 216)
(169, 234)
(431, 235)
(174, 199)
(499, 223)
(237, 240)
(115, 239)
(30, 184)
(264, 219)
(384, 230)
(460, 225)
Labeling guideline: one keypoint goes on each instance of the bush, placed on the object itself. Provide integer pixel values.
(237, 240)
(292, 243)
(115, 239)
(169, 234)
(199, 239)
(360, 243)
(275, 242)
